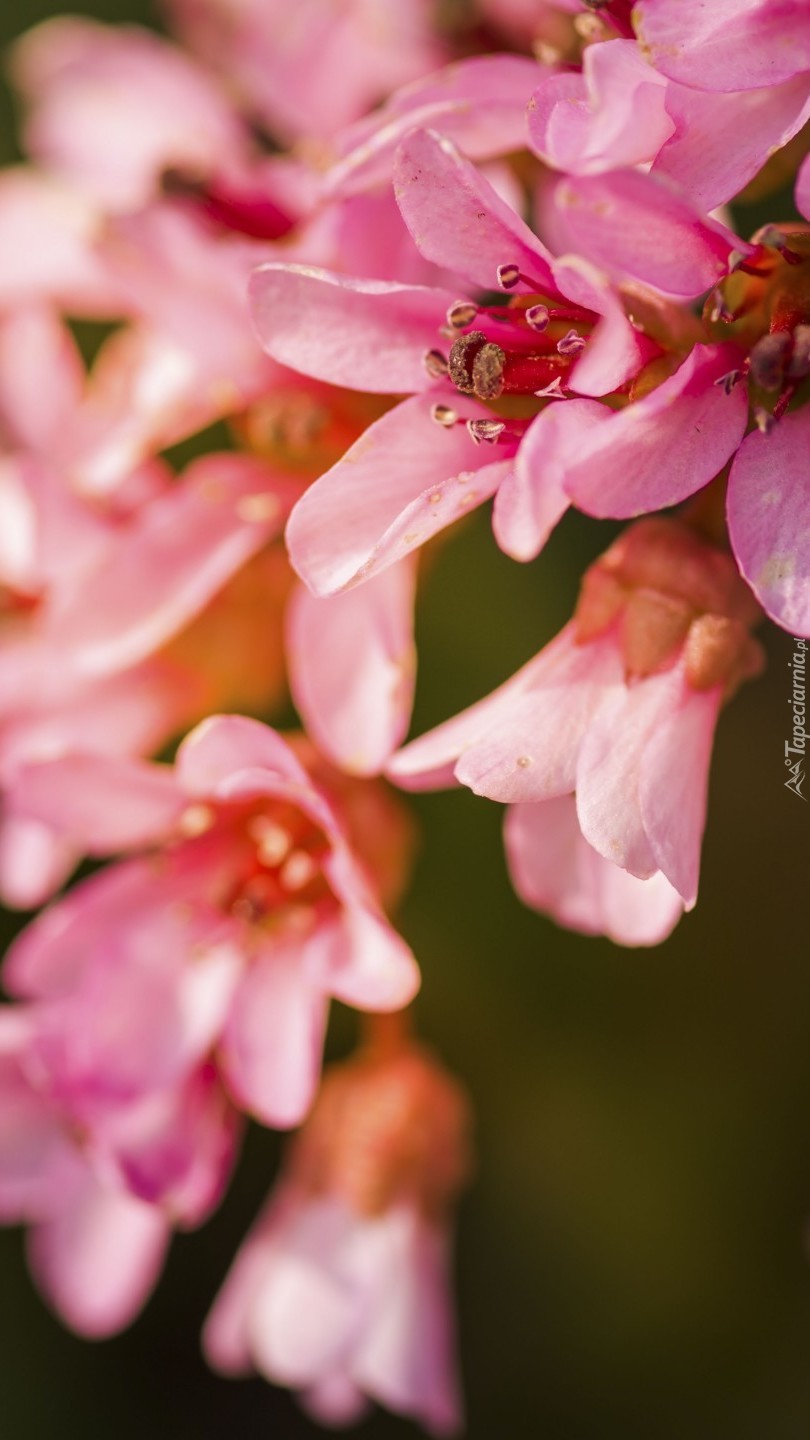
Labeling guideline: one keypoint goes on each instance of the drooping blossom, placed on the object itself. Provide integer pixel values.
(618, 712)
(341, 1289)
(240, 856)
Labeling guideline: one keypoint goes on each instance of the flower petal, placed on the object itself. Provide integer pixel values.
(659, 449)
(352, 664)
(377, 503)
(458, 220)
(364, 334)
(769, 519)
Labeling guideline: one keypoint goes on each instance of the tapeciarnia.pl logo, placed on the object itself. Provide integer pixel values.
(798, 667)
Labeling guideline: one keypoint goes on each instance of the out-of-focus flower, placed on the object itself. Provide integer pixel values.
(340, 1291)
(101, 1159)
(246, 863)
(619, 711)
(305, 73)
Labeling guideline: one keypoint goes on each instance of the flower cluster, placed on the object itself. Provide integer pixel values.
(282, 298)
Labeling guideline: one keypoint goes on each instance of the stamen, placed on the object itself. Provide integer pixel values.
(443, 415)
(485, 432)
(462, 357)
(774, 239)
(435, 363)
(729, 380)
(768, 360)
(571, 344)
(461, 314)
(298, 870)
(763, 420)
(537, 316)
(508, 276)
(487, 372)
(554, 391)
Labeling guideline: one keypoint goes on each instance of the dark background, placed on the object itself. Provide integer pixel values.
(631, 1255)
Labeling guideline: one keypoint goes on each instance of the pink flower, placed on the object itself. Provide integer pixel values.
(424, 462)
(340, 1291)
(101, 1174)
(668, 443)
(245, 867)
(621, 111)
(619, 711)
(308, 72)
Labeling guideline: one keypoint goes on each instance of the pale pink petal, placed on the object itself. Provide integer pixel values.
(377, 503)
(555, 870)
(405, 1358)
(359, 956)
(178, 554)
(429, 762)
(659, 449)
(39, 1160)
(68, 269)
(98, 1261)
(530, 753)
(306, 1313)
(615, 351)
(352, 666)
(41, 378)
(479, 104)
(35, 859)
(769, 519)
(673, 784)
(532, 498)
(727, 45)
(609, 771)
(721, 140)
(458, 220)
(223, 745)
(611, 115)
(364, 334)
(635, 226)
(273, 1043)
(104, 803)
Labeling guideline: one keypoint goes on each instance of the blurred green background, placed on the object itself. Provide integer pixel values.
(631, 1256)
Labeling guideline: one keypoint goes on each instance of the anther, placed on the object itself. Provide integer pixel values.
(774, 239)
(508, 276)
(461, 314)
(537, 316)
(443, 415)
(769, 359)
(487, 371)
(554, 391)
(485, 432)
(435, 363)
(729, 380)
(571, 344)
(462, 357)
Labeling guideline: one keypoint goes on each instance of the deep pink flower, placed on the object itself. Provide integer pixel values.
(340, 1291)
(619, 711)
(246, 864)
(427, 460)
